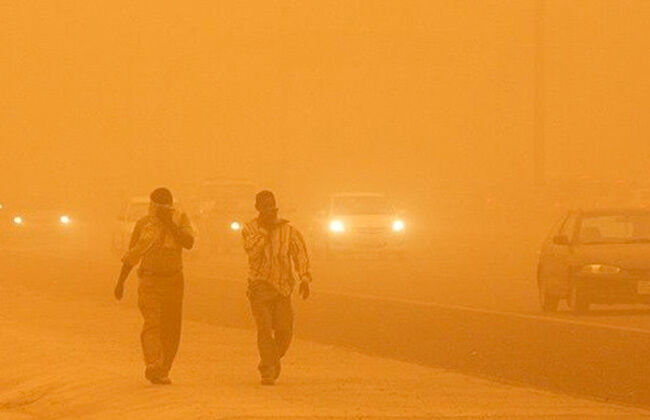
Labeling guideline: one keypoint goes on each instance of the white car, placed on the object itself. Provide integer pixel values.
(362, 222)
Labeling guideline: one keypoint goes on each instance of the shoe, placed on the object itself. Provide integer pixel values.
(152, 372)
(268, 381)
(163, 380)
(156, 375)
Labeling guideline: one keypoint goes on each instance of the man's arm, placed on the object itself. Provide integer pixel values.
(143, 237)
(300, 257)
(254, 239)
(127, 266)
(124, 274)
(182, 232)
(299, 254)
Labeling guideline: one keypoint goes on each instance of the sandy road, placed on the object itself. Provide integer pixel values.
(70, 351)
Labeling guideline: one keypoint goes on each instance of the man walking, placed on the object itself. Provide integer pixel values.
(157, 244)
(275, 250)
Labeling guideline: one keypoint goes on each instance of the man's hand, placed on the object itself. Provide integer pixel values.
(268, 219)
(165, 216)
(119, 291)
(119, 287)
(184, 238)
(304, 289)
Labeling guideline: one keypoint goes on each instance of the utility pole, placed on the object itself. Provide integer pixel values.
(539, 146)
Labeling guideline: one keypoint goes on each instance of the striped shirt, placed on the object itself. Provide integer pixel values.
(276, 257)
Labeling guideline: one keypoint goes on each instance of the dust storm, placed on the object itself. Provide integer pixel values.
(328, 209)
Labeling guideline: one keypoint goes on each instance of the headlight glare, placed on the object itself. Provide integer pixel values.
(235, 226)
(17, 220)
(337, 226)
(65, 219)
(600, 269)
(398, 225)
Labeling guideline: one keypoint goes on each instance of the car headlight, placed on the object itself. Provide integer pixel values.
(17, 220)
(235, 226)
(65, 220)
(398, 226)
(337, 226)
(600, 269)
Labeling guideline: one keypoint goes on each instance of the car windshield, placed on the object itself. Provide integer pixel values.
(615, 228)
(361, 205)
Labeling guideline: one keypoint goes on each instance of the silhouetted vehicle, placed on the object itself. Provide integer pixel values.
(596, 256)
(44, 226)
(361, 222)
(223, 209)
(43, 220)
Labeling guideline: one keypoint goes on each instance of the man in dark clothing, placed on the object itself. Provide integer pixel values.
(157, 244)
(275, 250)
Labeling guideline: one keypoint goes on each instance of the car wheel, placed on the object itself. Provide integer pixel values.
(547, 301)
(578, 300)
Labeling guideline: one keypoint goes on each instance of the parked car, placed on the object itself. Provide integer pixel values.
(596, 256)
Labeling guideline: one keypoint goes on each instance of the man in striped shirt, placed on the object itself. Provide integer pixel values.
(277, 255)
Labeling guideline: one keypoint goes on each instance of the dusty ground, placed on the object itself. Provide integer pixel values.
(76, 354)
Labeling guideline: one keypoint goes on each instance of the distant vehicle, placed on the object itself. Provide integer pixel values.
(30, 219)
(596, 256)
(131, 212)
(361, 222)
(41, 224)
(224, 208)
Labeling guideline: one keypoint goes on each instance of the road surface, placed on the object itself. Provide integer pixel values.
(69, 350)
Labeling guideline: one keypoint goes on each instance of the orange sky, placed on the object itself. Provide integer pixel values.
(326, 95)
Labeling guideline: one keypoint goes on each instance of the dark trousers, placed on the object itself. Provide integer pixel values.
(274, 321)
(160, 299)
